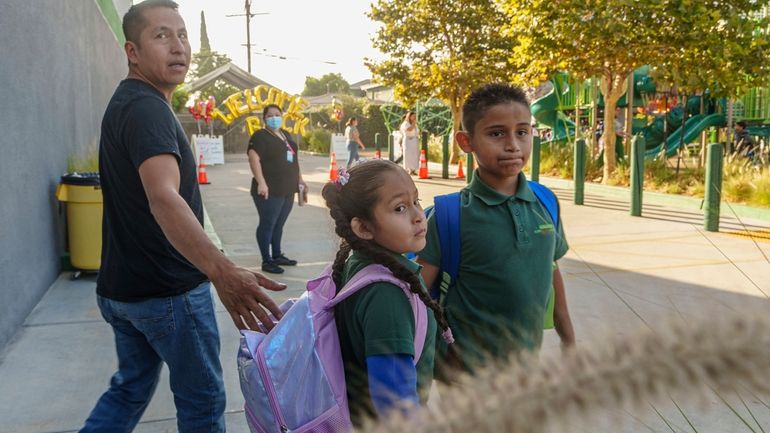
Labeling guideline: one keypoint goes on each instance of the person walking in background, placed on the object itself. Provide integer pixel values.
(157, 263)
(411, 142)
(276, 177)
(743, 143)
(354, 140)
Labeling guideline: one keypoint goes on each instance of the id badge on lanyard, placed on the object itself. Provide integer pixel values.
(289, 152)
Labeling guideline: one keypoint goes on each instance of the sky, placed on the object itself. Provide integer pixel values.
(308, 33)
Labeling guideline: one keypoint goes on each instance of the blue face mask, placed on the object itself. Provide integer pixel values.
(274, 122)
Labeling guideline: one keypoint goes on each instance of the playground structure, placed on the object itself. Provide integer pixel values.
(563, 102)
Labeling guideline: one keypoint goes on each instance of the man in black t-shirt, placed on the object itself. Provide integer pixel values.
(153, 286)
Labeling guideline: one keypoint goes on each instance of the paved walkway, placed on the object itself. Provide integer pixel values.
(622, 273)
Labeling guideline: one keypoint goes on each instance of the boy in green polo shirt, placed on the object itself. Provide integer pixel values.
(508, 241)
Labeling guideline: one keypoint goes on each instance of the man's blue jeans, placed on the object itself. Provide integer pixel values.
(180, 331)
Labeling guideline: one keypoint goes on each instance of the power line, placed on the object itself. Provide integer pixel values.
(280, 57)
(248, 15)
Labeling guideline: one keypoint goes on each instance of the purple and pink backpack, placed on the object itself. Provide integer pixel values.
(293, 378)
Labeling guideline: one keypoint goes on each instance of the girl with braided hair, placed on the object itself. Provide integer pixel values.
(377, 215)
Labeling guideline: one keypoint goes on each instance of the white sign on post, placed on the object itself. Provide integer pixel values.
(211, 148)
(340, 148)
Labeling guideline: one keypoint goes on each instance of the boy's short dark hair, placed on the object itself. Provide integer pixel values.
(134, 22)
(487, 96)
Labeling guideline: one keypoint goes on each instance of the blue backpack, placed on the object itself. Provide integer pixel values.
(447, 210)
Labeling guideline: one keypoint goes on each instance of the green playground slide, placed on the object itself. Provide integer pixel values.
(761, 130)
(544, 111)
(692, 130)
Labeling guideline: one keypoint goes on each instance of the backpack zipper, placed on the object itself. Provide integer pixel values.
(261, 363)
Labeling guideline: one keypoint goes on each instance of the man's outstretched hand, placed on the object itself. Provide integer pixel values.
(242, 292)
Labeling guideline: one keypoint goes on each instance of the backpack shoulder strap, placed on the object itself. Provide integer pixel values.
(547, 198)
(375, 273)
(447, 214)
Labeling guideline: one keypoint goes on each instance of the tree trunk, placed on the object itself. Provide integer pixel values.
(613, 86)
(457, 122)
(594, 116)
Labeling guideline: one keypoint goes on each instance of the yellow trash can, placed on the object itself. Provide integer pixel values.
(83, 194)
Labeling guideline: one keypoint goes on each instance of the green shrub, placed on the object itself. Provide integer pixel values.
(556, 160)
(370, 120)
(318, 140)
(742, 182)
(87, 160)
(435, 149)
(761, 188)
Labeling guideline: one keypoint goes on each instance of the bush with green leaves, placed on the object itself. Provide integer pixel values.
(742, 182)
(370, 120)
(318, 140)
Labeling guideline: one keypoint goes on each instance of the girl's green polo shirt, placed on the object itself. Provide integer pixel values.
(378, 320)
(508, 247)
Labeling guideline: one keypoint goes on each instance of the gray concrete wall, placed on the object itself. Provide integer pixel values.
(59, 64)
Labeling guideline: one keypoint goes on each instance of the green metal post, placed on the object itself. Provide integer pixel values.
(637, 174)
(445, 157)
(390, 147)
(713, 188)
(424, 142)
(534, 173)
(579, 170)
(469, 170)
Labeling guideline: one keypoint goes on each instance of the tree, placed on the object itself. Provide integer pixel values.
(439, 48)
(694, 40)
(724, 50)
(205, 45)
(179, 99)
(589, 38)
(204, 62)
(329, 83)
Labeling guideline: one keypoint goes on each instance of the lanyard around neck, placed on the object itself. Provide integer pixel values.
(282, 137)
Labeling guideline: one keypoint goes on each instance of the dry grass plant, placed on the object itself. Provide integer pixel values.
(722, 354)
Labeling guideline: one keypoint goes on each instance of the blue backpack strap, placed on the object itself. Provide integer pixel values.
(447, 214)
(547, 198)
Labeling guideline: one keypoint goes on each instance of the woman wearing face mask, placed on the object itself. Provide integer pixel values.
(273, 161)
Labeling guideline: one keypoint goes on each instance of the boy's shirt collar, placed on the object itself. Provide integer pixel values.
(491, 197)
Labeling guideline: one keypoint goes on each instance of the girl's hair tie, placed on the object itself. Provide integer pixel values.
(342, 178)
(447, 336)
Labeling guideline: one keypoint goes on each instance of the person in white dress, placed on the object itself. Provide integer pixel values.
(410, 142)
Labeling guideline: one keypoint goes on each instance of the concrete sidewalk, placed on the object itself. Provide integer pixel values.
(622, 273)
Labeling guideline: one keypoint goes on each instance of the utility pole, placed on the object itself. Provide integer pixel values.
(248, 15)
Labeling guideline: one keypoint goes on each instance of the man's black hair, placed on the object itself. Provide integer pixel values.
(488, 96)
(134, 22)
(741, 123)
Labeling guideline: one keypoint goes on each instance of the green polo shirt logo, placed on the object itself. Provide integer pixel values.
(544, 229)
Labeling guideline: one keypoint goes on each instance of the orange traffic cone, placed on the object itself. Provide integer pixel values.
(333, 168)
(460, 172)
(378, 153)
(423, 174)
(203, 178)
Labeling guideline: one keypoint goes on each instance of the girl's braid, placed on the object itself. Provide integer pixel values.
(378, 255)
(341, 224)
